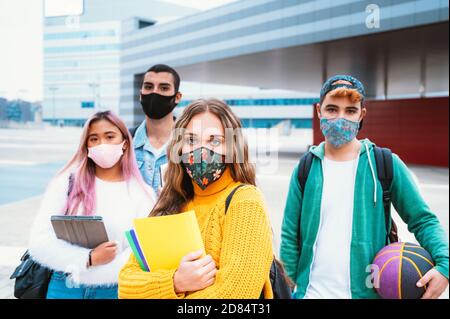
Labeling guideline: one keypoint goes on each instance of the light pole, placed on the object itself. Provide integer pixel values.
(53, 89)
(251, 106)
(94, 86)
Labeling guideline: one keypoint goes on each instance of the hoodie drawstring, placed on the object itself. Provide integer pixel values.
(373, 176)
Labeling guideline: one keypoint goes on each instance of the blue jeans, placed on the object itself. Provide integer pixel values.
(62, 288)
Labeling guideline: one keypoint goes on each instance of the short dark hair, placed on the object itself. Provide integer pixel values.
(158, 68)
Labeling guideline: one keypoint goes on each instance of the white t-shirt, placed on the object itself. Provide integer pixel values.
(158, 151)
(117, 202)
(330, 273)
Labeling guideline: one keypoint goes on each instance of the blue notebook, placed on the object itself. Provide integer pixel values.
(137, 250)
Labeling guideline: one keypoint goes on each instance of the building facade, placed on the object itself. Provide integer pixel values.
(82, 55)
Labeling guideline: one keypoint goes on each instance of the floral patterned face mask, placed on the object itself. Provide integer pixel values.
(339, 131)
(204, 166)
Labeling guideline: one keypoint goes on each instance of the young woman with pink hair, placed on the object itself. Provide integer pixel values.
(101, 179)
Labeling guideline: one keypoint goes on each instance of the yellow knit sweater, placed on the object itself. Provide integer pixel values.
(240, 243)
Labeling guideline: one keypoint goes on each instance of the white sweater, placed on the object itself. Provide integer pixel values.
(117, 202)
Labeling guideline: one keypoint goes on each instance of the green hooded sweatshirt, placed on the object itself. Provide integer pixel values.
(368, 230)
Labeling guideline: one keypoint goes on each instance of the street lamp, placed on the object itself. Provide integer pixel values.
(94, 86)
(53, 89)
(251, 106)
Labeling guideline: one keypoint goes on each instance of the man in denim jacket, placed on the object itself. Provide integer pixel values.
(159, 95)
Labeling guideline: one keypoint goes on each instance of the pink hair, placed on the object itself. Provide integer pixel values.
(83, 186)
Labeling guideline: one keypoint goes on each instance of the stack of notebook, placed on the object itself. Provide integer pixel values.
(160, 242)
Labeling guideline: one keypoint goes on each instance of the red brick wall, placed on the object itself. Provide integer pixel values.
(415, 129)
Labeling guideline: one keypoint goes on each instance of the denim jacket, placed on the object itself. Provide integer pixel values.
(148, 160)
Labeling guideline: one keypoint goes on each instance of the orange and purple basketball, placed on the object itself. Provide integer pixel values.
(400, 267)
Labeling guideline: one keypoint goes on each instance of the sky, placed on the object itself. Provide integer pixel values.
(21, 38)
(21, 53)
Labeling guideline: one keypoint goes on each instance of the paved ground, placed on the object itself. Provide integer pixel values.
(29, 158)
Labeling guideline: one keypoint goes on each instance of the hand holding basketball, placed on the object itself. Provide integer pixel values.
(436, 283)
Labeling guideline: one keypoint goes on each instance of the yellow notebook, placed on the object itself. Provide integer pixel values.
(166, 239)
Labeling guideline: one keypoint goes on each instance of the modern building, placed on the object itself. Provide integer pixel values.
(19, 111)
(82, 55)
(399, 49)
(267, 110)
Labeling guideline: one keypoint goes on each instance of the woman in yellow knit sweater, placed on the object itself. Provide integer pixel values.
(208, 159)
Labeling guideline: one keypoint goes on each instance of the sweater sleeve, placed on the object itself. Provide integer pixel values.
(135, 283)
(421, 221)
(44, 247)
(246, 254)
(289, 247)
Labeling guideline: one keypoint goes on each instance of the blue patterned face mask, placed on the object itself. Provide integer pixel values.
(339, 131)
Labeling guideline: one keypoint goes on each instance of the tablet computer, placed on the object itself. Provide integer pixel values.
(84, 231)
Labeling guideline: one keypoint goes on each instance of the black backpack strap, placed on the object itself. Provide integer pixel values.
(385, 170)
(230, 196)
(303, 169)
(304, 166)
(281, 288)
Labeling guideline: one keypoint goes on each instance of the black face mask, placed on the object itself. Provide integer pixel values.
(157, 106)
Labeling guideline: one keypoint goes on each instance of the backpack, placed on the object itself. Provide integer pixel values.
(282, 286)
(384, 163)
(31, 278)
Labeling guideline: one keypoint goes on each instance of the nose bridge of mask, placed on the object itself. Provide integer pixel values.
(105, 146)
(157, 96)
(152, 98)
(204, 156)
(341, 120)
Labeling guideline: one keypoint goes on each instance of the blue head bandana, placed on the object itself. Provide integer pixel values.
(331, 85)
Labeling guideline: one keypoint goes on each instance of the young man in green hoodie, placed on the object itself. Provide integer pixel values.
(333, 228)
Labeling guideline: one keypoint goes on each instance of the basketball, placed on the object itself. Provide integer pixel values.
(399, 267)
